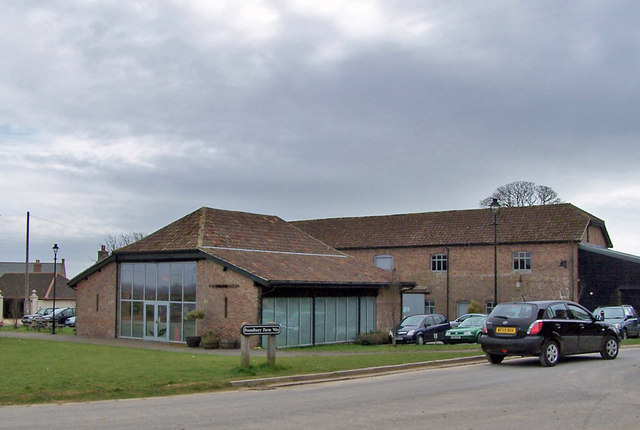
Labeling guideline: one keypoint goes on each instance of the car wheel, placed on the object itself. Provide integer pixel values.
(550, 353)
(610, 348)
(420, 339)
(495, 358)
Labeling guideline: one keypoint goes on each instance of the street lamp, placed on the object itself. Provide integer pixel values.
(55, 265)
(495, 207)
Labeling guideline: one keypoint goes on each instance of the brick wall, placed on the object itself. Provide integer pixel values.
(471, 275)
(228, 299)
(96, 303)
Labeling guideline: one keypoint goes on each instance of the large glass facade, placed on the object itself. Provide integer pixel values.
(154, 298)
(307, 321)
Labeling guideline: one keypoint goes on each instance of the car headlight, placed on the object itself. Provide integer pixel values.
(411, 332)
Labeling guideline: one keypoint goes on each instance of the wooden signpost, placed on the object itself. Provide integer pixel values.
(271, 330)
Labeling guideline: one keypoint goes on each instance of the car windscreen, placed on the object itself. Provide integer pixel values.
(412, 320)
(472, 322)
(612, 313)
(514, 310)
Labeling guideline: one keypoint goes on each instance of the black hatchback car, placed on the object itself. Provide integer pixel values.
(421, 328)
(547, 329)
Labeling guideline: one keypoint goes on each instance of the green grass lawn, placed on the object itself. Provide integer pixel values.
(39, 371)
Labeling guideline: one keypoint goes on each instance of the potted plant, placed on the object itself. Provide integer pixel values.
(210, 340)
(193, 341)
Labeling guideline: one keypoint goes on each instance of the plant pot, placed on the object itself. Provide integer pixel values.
(211, 344)
(228, 344)
(193, 341)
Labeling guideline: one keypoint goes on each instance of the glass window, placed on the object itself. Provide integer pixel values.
(138, 281)
(320, 320)
(352, 317)
(176, 282)
(190, 282)
(412, 304)
(188, 327)
(439, 263)
(293, 321)
(490, 305)
(175, 322)
(138, 319)
(305, 321)
(150, 282)
(579, 313)
(126, 281)
(125, 319)
(521, 260)
(341, 319)
(384, 262)
(330, 327)
(163, 282)
(429, 306)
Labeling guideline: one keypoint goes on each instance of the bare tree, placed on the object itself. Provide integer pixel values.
(113, 242)
(522, 193)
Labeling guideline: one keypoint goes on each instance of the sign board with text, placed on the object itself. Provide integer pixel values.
(260, 329)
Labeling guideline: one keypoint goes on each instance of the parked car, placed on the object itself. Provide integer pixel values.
(547, 329)
(421, 328)
(61, 315)
(70, 322)
(624, 318)
(26, 319)
(456, 322)
(468, 331)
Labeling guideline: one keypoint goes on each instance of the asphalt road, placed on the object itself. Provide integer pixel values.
(580, 392)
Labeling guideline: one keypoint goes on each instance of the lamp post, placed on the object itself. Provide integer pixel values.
(55, 265)
(495, 207)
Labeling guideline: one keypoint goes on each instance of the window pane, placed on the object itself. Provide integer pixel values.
(125, 319)
(190, 282)
(188, 327)
(281, 318)
(305, 321)
(384, 262)
(176, 282)
(330, 327)
(126, 281)
(341, 319)
(163, 282)
(150, 282)
(138, 326)
(138, 281)
(320, 320)
(293, 321)
(175, 322)
(352, 317)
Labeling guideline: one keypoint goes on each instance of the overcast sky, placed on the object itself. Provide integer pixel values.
(125, 116)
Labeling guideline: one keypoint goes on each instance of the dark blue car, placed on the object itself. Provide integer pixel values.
(420, 329)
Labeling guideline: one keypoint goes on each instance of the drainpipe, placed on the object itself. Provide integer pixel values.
(448, 267)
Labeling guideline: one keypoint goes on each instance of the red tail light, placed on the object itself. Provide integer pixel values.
(535, 328)
(484, 328)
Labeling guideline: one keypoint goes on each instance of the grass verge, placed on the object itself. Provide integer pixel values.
(39, 371)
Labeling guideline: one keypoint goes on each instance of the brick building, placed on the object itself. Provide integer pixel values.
(236, 267)
(327, 280)
(543, 252)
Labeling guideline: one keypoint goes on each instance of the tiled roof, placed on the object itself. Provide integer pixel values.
(264, 246)
(12, 286)
(531, 224)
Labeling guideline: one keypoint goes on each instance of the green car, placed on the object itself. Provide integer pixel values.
(468, 331)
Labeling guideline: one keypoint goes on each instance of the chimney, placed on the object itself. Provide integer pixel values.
(37, 267)
(103, 253)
